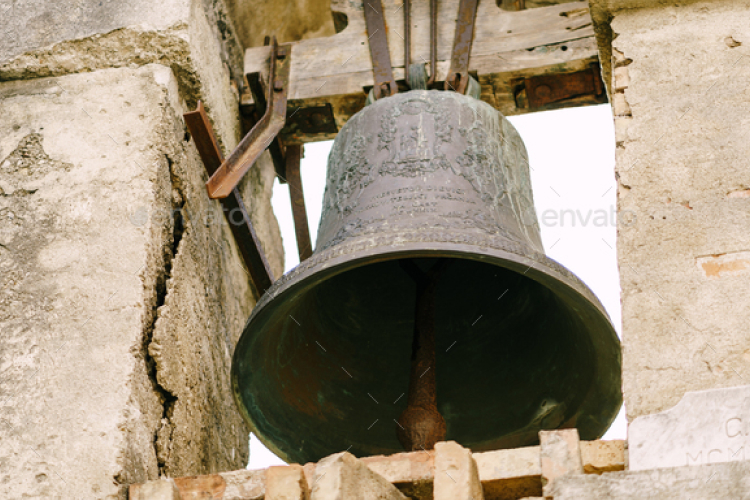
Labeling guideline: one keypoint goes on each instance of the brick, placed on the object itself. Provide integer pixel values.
(622, 78)
(456, 473)
(412, 473)
(560, 456)
(344, 477)
(620, 106)
(510, 474)
(286, 483)
(164, 489)
(602, 456)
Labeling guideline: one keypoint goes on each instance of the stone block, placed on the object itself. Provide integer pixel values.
(194, 37)
(620, 106)
(286, 483)
(706, 482)
(704, 427)
(344, 477)
(456, 474)
(621, 129)
(682, 174)
(121, 301)
(510, 474)
(244, 484)
(602, 456)
(560, 456)
(163, 489)
(412, 473)
(622, 78)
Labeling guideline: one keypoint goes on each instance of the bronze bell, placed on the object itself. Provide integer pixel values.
(428, 224)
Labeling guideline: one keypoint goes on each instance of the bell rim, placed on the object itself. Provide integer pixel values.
(519, 257)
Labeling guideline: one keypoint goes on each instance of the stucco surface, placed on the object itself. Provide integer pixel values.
(118, 317)
(682, 114)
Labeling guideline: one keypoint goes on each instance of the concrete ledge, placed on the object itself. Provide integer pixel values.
(705, 482)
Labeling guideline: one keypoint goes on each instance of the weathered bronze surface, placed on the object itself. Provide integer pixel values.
(520, 343)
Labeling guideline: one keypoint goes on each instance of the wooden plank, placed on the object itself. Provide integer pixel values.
(508, 46)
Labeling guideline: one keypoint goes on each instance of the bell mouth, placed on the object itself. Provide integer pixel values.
(522, 345)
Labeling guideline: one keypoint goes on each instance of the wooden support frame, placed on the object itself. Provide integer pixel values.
(509, 46)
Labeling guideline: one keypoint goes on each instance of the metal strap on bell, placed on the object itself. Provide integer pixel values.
(431, 186)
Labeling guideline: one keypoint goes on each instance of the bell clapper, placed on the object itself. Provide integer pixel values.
(421, 425)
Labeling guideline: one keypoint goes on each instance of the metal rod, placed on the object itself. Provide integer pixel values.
(458, 74)
(294, 153)
(382, 71)
(421, 425)
(407, 39)
(258, 91)
(433, 42)
(234, 210)
(226, 178)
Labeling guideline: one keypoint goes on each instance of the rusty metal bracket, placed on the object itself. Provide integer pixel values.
(407, 39)
(228, 175)
(549, 89)
(258, 92)
(458, 74)
(233, 207)
(433, 42)
(407, 43)
(382, 71)
(294, 153)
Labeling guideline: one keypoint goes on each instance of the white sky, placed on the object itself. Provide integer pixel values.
(571, 153)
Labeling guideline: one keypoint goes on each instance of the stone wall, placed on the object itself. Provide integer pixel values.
(122, 290)
(682, 111)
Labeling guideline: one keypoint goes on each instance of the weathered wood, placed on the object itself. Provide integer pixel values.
(508, 47)
(512, 4)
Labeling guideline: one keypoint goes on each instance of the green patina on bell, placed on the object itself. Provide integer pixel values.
(520, 343)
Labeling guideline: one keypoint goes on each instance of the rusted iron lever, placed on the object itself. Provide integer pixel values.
(234, 209)
(294, 153)
(382, 72)
(458, 74)
(231, 171)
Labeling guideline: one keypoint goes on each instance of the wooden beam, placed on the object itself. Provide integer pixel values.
(508, 48)
(512, 4)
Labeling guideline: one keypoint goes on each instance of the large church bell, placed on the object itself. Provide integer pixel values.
(428, 310)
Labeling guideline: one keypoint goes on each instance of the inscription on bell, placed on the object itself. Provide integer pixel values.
(455, 165)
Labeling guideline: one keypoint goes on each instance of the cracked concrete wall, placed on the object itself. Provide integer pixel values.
(682, 115)
(195, 38)
(122, 290)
